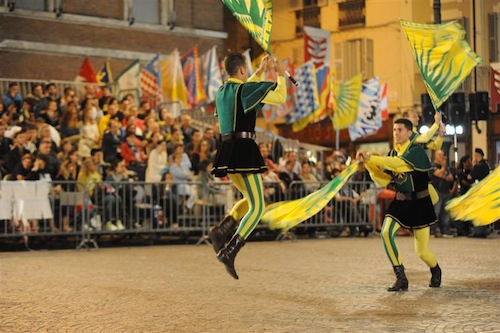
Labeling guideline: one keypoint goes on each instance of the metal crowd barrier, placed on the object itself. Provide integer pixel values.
(85, 213)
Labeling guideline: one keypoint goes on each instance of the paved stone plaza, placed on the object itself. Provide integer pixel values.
(327, 285)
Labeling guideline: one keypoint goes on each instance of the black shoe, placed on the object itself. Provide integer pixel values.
(436, 277)
(228, 254)
(221, 233)
(401, 283)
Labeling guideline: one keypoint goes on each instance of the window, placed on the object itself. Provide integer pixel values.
(36, 5)
(309, 17)
(352, 57)
(352, 13)
(146, 11)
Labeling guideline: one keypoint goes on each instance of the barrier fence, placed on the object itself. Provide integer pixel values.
(86, 212)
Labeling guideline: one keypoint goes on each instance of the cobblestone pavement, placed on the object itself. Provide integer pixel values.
(322, 285)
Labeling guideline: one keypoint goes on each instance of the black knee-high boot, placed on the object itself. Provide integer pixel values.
(219, 234)
(436, 277)
(228, 254)
(401, 280)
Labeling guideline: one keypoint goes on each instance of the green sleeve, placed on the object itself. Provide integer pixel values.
(253, 93)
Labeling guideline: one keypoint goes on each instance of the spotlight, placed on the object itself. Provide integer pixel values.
(424, 129)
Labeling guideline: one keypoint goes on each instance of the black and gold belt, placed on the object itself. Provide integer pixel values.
(402, 196)
(238, 135)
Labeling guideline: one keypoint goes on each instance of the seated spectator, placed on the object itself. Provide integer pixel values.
(175, 140)
(50, 115)
(91, 180)
(45, 132)
(23, 168)
(134, 156)
(52, 162)
(187, 128)
(182, 176)
(40, 170)
(200, 153)
(209, 135)
(69, 123)
(89, 134)
(13, 96)
(112, 140)
(15, 155)
(157, 162)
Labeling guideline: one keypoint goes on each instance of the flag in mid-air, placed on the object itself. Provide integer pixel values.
(443, 56)
(104, 77)
(257, 18)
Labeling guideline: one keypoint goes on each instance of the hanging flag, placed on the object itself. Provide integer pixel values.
(246, 54)
(495, 86)
(128, 80)
(443, 56)
(86, 73)
(323, 88)
(384, 106)
(317, 46)
(151, 82)
(212, 77)
(104, 77)
(307, 92)
(287, 214)
(192, 78)
(480, 204)
(275, 112)
(345, 102)
(174, 88)
(257, 18)
(369, 119)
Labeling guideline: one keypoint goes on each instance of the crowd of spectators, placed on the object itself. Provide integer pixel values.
(98, 137)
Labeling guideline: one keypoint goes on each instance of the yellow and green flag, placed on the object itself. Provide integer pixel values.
(285, 215)
(257, 18)
(346, 101)
(481, 203)
(443, 56)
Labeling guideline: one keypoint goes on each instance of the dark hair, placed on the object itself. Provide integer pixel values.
(13, 84)
(464, 159)
(233, 61)
(407, 123)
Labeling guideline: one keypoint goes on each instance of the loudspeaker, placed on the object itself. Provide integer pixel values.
(427, 109)
(479, 106)
(456, 109)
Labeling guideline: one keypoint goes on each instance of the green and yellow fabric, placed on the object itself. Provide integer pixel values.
(443, 56)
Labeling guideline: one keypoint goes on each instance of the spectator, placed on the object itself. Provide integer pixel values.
(201, 153)
(481, 169)
(274, 187)
(50, 114)
(45, 131)
(179, 151)
(65, 150)
(175, 140)
(104, 121)
(40, 170)
(187, 128)
(66, 181)
(311, 183)
(295, 190)
(15, 155)
(89, 134)
(181, 176)
(112, 140)
(50, 95)
(463, 171)
(69, 123)
(443, 181)
(290, 155)
(194, 144)
(68, 97)
(104, 100)
(50, 158)
(23, 168)
(12, 96)
(210, 136)
(134, 156)
(5, 145)
(167, 120)
(157, 163)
